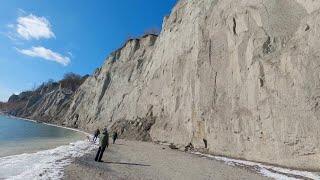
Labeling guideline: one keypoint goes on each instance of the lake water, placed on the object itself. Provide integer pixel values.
(30, 150)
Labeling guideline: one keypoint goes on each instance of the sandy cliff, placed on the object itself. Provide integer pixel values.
(49, 102)
(241, 74)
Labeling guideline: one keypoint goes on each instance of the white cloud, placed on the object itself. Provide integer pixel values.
(46, 54)
(33, 27)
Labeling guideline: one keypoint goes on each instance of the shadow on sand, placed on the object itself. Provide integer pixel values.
(125, 163)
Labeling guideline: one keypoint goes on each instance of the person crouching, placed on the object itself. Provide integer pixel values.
(103, 144)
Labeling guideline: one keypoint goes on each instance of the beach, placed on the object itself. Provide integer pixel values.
(126, 159)
(143, 160)
(146, 160)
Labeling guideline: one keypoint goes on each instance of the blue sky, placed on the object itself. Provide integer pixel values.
(41, 40)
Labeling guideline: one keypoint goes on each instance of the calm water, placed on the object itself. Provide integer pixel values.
(19, 136)
(30, 150)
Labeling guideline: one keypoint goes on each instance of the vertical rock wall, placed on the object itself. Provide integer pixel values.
(244, 75)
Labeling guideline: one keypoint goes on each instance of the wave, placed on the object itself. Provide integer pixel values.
(47, 164)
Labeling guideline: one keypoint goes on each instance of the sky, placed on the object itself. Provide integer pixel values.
(42, 40)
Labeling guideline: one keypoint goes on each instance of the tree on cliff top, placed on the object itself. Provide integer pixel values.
(71, 81)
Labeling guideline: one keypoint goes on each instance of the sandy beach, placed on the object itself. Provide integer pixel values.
(142, 160)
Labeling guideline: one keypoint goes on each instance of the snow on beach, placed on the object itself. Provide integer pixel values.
(277, 173)
(46, 164)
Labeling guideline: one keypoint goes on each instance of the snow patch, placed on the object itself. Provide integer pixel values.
(266, 170)
(48, 164)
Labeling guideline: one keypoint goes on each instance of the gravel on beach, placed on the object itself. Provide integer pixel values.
(143, 160)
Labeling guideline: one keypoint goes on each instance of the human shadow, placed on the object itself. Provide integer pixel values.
(125, 163)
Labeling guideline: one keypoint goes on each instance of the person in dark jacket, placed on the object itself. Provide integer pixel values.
(103, 144)
(114, 136)
(95, 135)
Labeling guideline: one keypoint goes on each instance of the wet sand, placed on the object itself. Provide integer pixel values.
(142, 160)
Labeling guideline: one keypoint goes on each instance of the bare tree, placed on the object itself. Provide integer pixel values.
(71, 81)
(71, 76)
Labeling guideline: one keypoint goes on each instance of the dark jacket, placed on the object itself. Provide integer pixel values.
(96, 133)
(115, 135)
(104, 139)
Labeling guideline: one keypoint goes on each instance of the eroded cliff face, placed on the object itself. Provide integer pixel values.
(244, 75)
(241, 74)
(113, 92)
(47, 103)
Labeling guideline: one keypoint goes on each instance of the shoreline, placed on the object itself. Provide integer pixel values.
(47, 163)
(258, 167)
(167, 144)
(49, 124)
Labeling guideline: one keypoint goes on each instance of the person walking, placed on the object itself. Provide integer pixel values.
(95, 135)
(103, 144)
(114, 136)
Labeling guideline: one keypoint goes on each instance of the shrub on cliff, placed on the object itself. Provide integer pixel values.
(71, 81)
